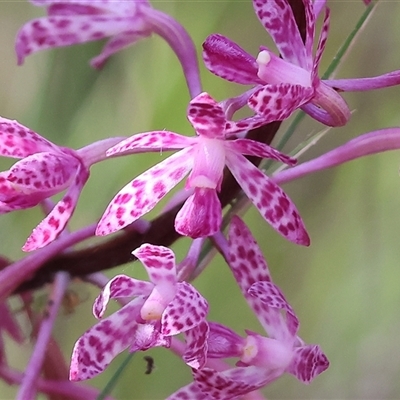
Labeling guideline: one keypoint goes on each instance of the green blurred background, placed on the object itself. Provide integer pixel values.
(344, 288)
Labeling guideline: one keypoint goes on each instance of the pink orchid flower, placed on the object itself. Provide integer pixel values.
(294, 77)
(261, 359)
(44, 170)
(162, 308)
(71, 22)
(205, 155)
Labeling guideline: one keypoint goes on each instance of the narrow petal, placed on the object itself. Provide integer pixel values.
(308, 362)
(155, 140)
(117, 43)
(278, 102)
(201, 215)
(277, 18)
(18, 141)
(233, 383)
(250, 147)
(43, 172)
(272, 320)
(245, 257)
(229, 61)
(310, 32)
(187, 310)
(117, 287)
(55, 222)
(159, 262)
(323, 36)
(270, 200)
(73, 7)
(189, 392)
(13, 197)
(143, 193)
(96, 348)
(243, 125)
(207, 116)
(196, 346)
(250, 268)
(361, 84)
(64, 30)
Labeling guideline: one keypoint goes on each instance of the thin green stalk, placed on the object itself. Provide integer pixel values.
(347, 43)
(115, 378)
(330, 70)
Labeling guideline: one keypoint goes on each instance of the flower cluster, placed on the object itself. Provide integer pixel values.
(221, 161)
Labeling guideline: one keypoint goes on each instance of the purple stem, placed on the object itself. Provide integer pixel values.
(65, 388)
(181, 43)
(28, 387)
(15, 274)
(188, 264)
(367, 144)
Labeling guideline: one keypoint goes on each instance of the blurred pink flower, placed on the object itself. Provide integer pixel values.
(71, 22)
(44, 170)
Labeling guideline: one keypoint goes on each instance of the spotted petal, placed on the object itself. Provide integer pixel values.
(191, 391)
(323, 36)
(64, 30)
(96, 348)
(233, 383)
(143, 193)
(207, 116)
(270, 200)
(18, 141)
(249, 267)
(250, 147)
(196, 345)
(55, 222)
(243, 125)
(310, 33)
(159, 262)
(201, 215)
(155, 140)
(245, 258)
(277, 18)
(187, 310)
(278, 102)
(272, 320)
(118, 287)
(13, 198)
(229, 61)
(43, 172)
(308, 362)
